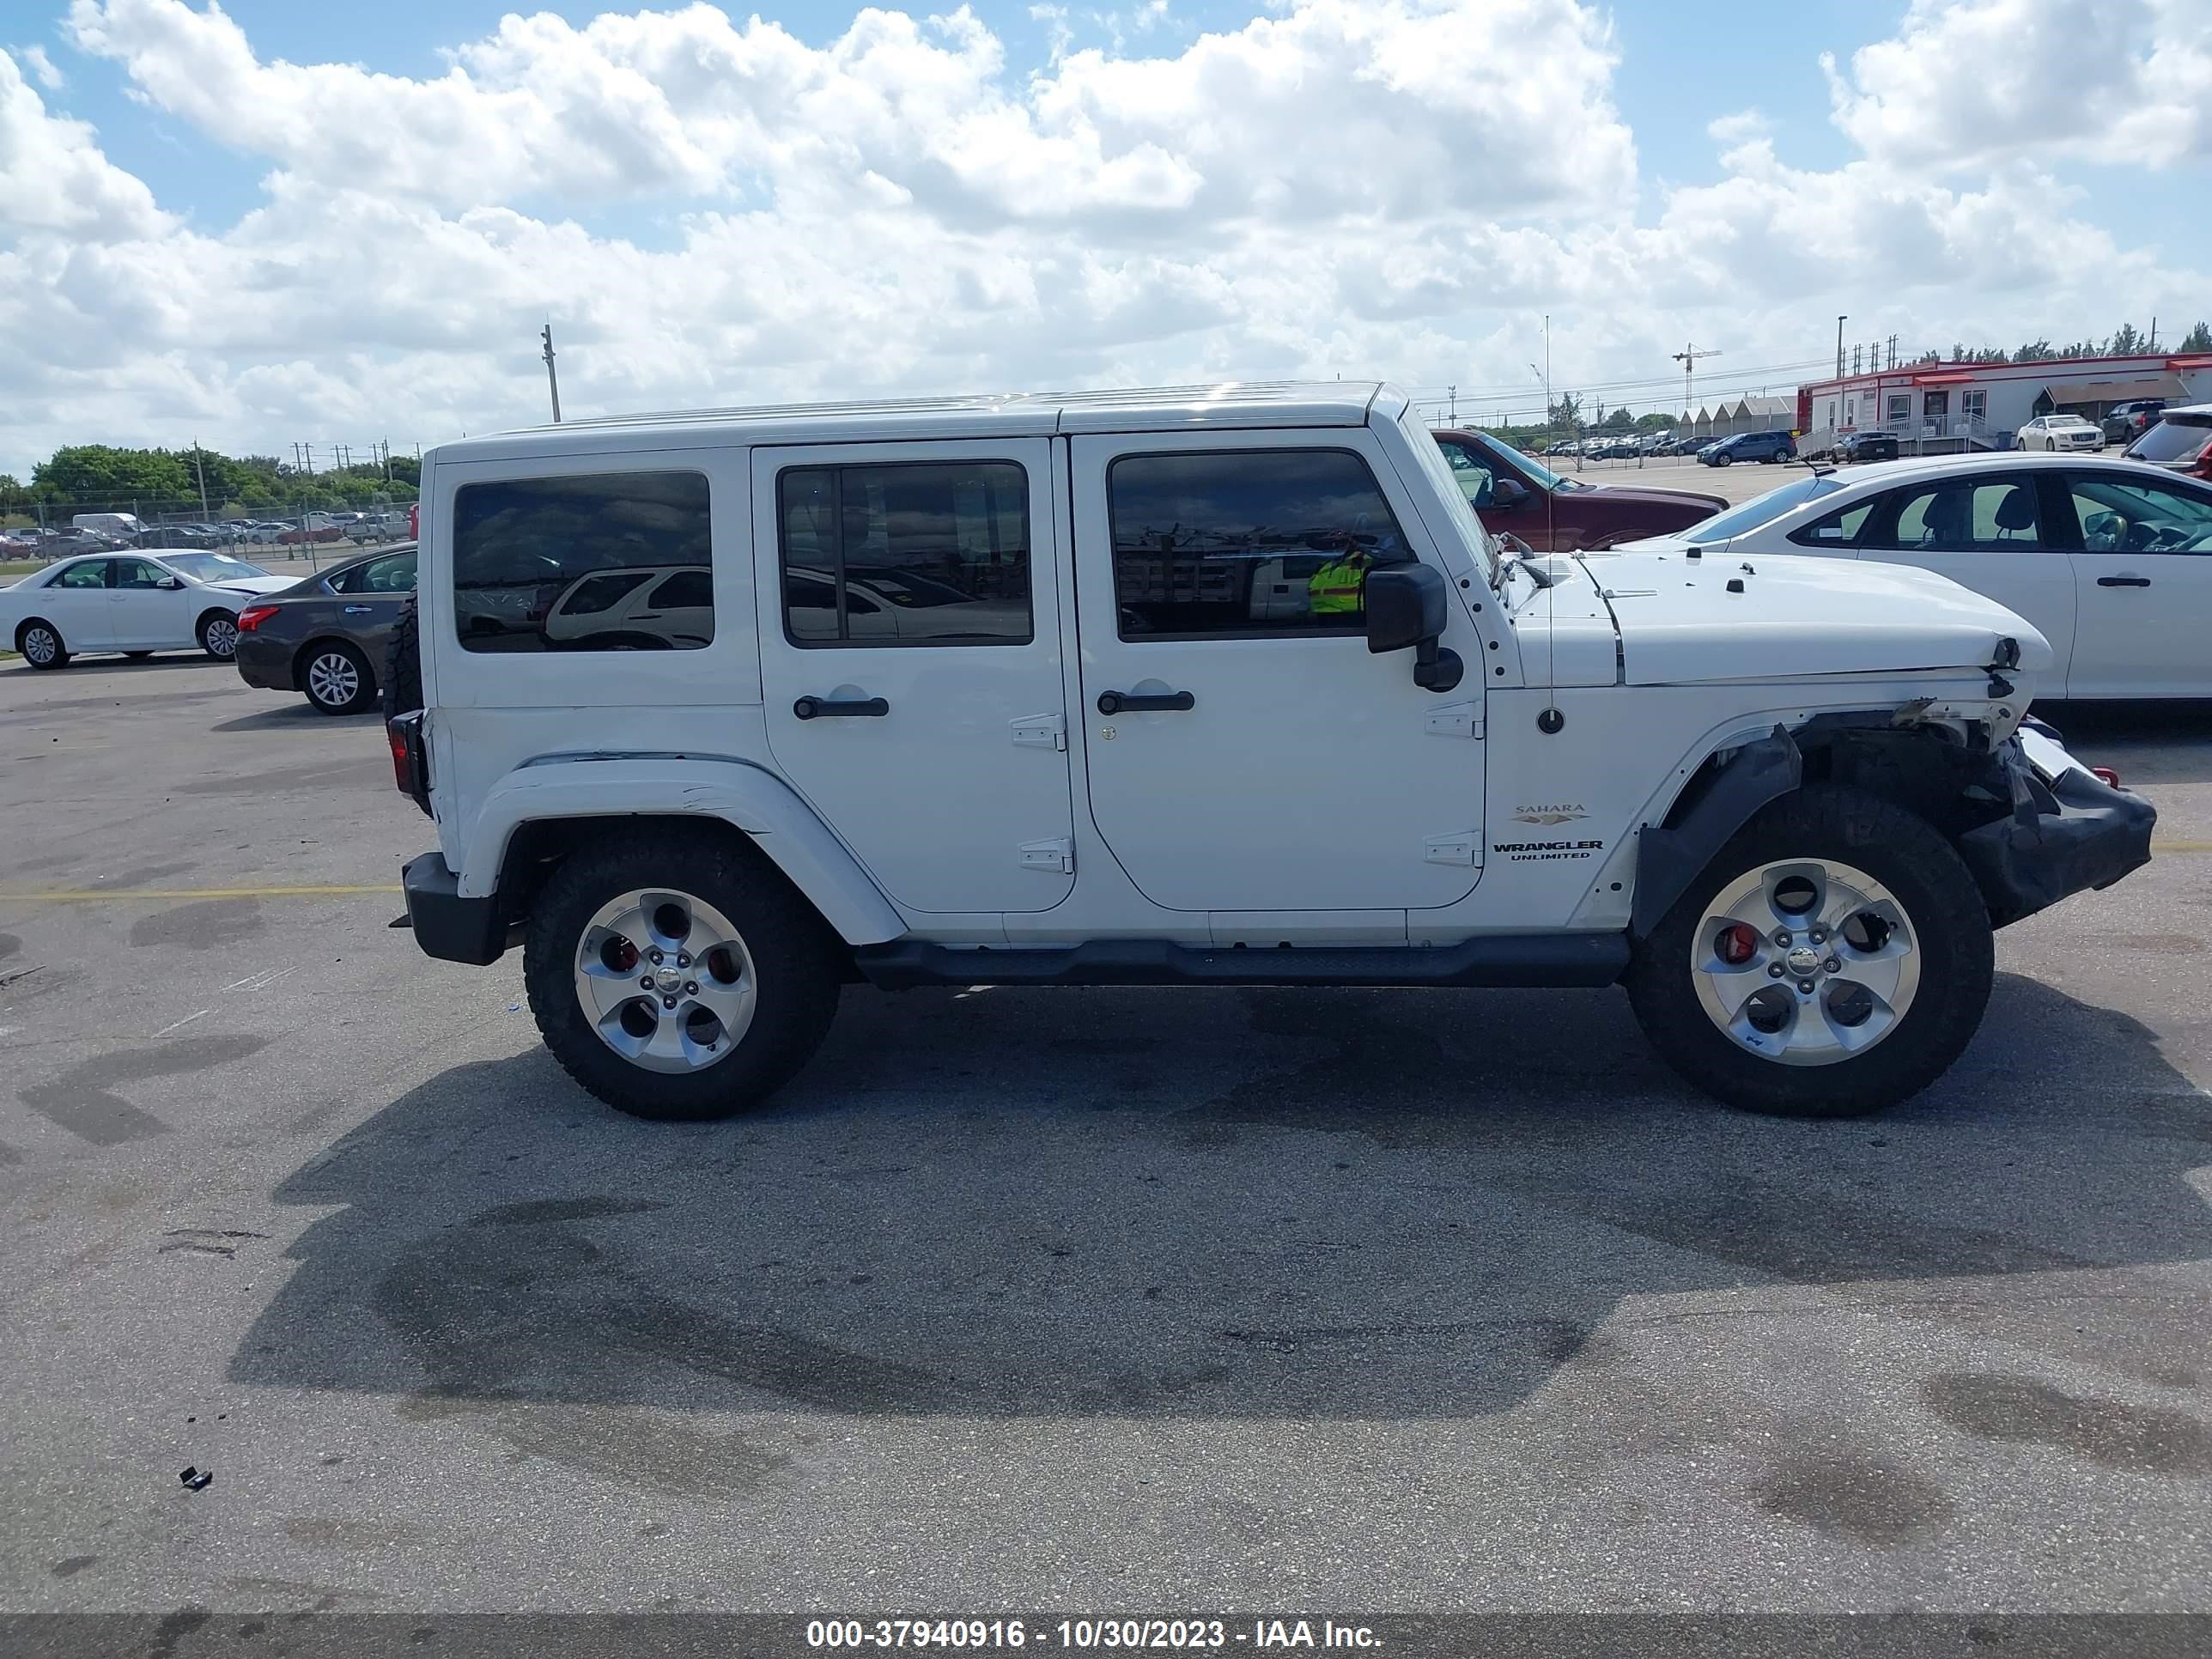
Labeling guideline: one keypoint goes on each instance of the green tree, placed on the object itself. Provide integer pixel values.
(1566, 415)
(2198, 338)
(1654, 422)
(2125, 343)
(1619, 421)
(2038, 350)
(98, 476)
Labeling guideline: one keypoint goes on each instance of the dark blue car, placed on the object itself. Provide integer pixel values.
(1750, 447)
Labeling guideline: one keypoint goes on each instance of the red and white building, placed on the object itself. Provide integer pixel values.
(1936, 408)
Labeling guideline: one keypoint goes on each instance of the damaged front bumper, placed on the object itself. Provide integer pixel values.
(2067, 829)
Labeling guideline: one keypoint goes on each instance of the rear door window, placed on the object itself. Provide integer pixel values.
(90, 572)
(527, 553)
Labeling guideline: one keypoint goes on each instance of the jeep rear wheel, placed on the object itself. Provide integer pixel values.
(674, 975)
(1834, 958)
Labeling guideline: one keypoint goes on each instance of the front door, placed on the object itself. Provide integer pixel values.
(2142, 582)
(1246, 751)
(909, 629)
(148, 615)
(1985, 531)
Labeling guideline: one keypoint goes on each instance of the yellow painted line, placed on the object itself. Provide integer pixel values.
(118, 895)
(2181, 847)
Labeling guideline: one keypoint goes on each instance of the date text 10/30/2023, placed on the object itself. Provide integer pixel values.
(1084, 1635)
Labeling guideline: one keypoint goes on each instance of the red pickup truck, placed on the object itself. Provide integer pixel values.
(1517, 495)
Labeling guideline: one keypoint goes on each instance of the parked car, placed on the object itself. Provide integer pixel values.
(2069, 432)
(2181, 441)
(698, 846)
(1552, 514)
(1749, 446)
(160, 600)
(2111, 560)
(327, 637)
(265, 532)
(1855, 446)
(20, 541)
(298, 536)
(2125, 422)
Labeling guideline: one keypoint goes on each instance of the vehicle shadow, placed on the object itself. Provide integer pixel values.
(1233, 1204)
(2144, 742)
(295, 716)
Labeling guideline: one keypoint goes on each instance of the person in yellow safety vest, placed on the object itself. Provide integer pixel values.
(1335, 590)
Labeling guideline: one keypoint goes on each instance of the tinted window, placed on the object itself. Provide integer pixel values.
(2121, 515)
(393, 573)
(525, 549)
(92, 573)
(1275, 541)
(2176, 438)
(1964, 516)
(1470, 471)
(136, 573)
(924, 553)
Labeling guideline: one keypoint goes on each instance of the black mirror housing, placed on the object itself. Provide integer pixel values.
(1508, 492)
(1405, 606)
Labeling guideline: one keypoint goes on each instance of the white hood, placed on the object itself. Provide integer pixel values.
(1677, 620)
(254, 584)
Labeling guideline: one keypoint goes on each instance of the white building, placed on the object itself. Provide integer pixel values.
(1949, 408)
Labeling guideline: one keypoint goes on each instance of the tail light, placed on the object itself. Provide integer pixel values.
(410, 757)
(2203, 467)
(253, 616)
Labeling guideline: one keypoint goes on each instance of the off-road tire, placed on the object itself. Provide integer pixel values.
(58, 659)
(794, 955)
(401, 685)
(1949, 921)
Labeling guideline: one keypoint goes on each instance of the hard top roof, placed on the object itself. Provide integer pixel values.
(1026, 414)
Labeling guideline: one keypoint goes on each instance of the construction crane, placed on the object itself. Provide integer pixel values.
(1688, 356)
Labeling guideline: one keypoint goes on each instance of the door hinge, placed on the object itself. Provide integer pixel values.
(1053, 857)
(1455, 719)
(1451, 850)
(1040, 732)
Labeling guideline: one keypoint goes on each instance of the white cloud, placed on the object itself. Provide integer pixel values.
(1328, 187)
(42, 67)
(1966, 84)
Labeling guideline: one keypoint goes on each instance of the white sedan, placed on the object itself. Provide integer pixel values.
(2110, 560)
(165, 599)
(2067, 431)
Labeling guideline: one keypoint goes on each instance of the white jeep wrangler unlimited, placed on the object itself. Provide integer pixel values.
(1214, 686)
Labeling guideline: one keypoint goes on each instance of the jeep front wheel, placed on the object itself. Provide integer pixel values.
(675, 975)
(1834, 958)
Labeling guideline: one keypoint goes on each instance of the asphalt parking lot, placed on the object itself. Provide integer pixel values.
(1130, 1299)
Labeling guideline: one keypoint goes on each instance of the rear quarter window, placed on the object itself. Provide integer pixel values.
(530, 555)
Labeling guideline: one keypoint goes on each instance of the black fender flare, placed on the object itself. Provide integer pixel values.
(1668, 857)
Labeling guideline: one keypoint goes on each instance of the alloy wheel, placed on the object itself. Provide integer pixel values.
(219, 637)
(39, 645)
(666, 980)
(1806, 962)
(332, 679)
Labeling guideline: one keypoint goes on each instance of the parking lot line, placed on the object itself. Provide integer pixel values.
(121, 894)
(2181, 847)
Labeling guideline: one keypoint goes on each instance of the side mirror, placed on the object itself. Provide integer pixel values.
(1407, 605)
(171, 584)
(1508, 492)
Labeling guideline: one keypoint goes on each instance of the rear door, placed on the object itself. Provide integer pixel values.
(910, 635)
(2142, 581)
(364, 603)
(1281, 766)
(76, 602)
(1986, 532)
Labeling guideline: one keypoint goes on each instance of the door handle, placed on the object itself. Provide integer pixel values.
(2124, 582)
(357, 609)
(814, 708)
(1120, 702)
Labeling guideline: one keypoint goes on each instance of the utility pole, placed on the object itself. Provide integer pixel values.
(1455, 404)
(1840, 321)
(1688, 356)
(202, 471)
(552, 379)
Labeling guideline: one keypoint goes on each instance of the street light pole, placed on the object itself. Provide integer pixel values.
(1840, 321)
(553, 381)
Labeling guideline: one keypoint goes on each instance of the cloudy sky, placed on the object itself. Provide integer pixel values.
(271, 220)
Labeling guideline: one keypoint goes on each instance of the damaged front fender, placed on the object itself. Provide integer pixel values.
(2065, 829)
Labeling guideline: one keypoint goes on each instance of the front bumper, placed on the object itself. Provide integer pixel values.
(447, 926)
(2067, 831)
(265, 665)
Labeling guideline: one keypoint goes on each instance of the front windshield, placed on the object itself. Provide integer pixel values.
(211, 567)
(1761, 509)
(1431, 457)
